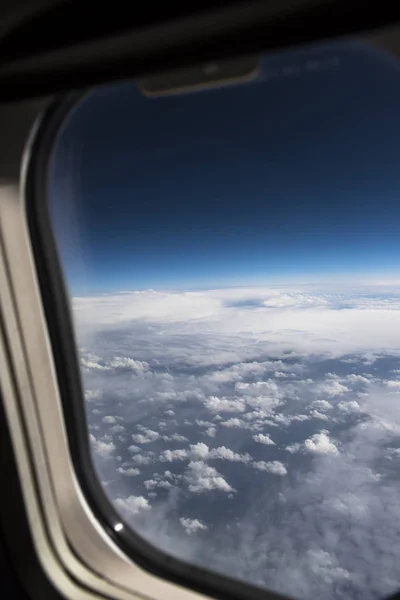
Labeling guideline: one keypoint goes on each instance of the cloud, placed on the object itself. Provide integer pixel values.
(93, 395)
(351, 406)
(90, 364)
(145, 438)
(224, 453)
(109, 419)
(316, 414)
(102, 448)
(201, 451)
(172, 455)
(141, 459)
(262, 438)
(332, 388)
(192, 525)
(235, 422)
(132, 505)
(393, 384)
(133, 448)
(229, 405)
(275, 467)
(128, 472)
(319, 443)
(322, 404)
(122, 362)
(203, 478)
(321, 518)
(175, 437)
(198, 451)
(152, 484)
(117, 429)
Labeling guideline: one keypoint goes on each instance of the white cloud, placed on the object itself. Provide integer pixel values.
(141, 459)
(354, 378)
(90, 364)
(265, 439)
(109, 419)
(393, 384)
(322, 404)
(199, 451)
(226, 454)
(259, 388)
(134, 448)
(230, 405)
(335, 519)
(122, 362)
(203, 478)
(132, 505)
(351, 406)
(192, 525)
(319, 443)
(93, 395)
(235, 422)
(173, 455)
(102, 448)
(117, 429)
(152, 484)
(145, 438)
(129, 472)
(332, 388)
(175, 437)
(275, 467)
(211, 431)
(316, 414)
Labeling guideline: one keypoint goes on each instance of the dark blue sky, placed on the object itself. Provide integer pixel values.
(293, 176)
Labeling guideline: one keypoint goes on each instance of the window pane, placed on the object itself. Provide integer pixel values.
(232, 257)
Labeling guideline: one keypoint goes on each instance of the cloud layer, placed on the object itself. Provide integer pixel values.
(253, 431)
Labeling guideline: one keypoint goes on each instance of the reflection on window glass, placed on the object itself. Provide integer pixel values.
(232, 257)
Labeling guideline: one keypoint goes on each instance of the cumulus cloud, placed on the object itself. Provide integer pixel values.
(351, 406)
(172, 455)
(93, 395)
(132, 505)
(123, 362)
(322, 404)
(117, 429)
(109, 419)
(202, 478)
(201, 451)
(146, 437)
(224, 453)
(319, 443)
(265, 439)
(192, 525)
(211, 431)
(101, 447)
(235, 422)
(223, 405)
(332, 388)
(275, 467)
(128, 472)
(88, 365)
(142, 459)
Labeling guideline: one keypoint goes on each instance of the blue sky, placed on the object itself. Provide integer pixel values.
(292, 177)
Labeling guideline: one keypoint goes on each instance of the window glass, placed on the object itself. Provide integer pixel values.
(232, 258)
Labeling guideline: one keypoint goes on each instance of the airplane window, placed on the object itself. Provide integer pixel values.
(231, 253)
